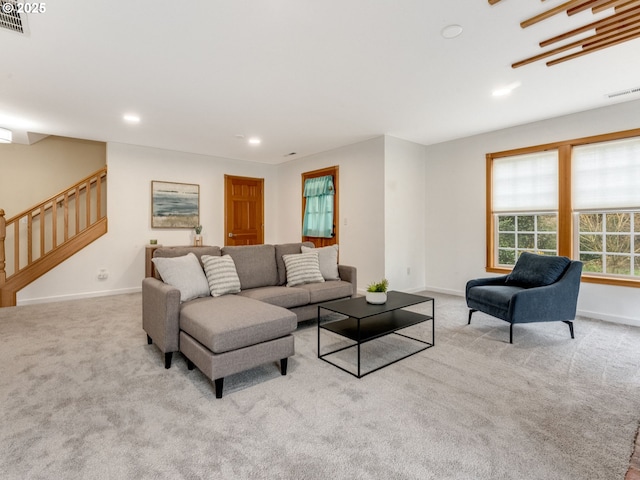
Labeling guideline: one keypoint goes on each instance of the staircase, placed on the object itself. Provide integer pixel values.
(43, 236)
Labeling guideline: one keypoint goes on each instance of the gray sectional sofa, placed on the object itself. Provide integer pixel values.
(230, 333)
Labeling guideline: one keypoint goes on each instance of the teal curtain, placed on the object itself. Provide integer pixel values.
(318, 214)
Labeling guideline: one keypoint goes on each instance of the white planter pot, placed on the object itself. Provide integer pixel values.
(376, 298)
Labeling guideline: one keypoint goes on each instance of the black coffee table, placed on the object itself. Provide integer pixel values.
(366, 322)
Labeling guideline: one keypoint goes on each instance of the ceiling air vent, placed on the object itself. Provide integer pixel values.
(9, 16)
(629, 91)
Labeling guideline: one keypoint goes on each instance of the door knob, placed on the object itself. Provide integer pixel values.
(230, 235)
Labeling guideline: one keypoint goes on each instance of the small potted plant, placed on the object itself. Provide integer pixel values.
(377, 292)
(197, 239)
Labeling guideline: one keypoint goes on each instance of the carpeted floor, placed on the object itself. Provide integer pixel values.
(83, 396)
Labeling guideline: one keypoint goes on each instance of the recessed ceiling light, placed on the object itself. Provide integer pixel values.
(131, 118)
(255, 141)
(451, 31)
(505, 90)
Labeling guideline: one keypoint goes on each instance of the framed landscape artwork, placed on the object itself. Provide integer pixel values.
(174, 205)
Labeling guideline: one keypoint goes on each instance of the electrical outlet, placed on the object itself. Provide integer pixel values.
(103, 274)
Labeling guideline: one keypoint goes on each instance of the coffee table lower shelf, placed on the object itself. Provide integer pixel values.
(362, 330)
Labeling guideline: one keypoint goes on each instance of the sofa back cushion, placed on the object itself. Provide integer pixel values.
(170, 252)
(287, 249)
(255, 264)
(533, 270)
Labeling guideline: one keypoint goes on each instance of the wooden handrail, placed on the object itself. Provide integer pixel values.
(77, 188)
(44, 248)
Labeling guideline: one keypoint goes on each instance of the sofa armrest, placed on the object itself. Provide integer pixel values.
(349, 274)
(481, 282)
(161, 314)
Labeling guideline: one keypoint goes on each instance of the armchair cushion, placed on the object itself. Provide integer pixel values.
(537, 270)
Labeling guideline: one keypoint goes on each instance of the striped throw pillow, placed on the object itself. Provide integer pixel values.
(302, 268)
(221, 274)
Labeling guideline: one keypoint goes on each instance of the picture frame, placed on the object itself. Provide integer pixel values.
(174, 205)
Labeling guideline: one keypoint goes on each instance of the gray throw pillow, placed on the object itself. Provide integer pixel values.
(185, 273)
(328, 258)
(302, 268)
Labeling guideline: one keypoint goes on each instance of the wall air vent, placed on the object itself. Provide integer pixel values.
(624, 92)
(9, 16)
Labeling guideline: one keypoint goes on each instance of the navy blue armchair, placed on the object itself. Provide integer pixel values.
(541, 288)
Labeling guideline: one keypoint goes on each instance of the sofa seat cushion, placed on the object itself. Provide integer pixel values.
(286, 297)
(492, 299)
(230, 322)
(323, 292)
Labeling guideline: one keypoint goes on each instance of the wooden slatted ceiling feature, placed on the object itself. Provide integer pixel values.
(621, 26)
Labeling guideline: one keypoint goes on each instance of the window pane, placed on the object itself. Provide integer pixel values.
(637, 267)
(526, 223)
(592, 263)
(506, 223)
(590, 222)
(547, 223)
(618, 243)
(618, 222)
(507, 240)
(637, 244)
(547, 241)
(526, 241)
(636, 222)
(506, 257)
(619, 264)
(590, 243)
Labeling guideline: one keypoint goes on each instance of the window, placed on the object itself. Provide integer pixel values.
(525, 205)
(579, 198)
(606, 202)
(318, 214)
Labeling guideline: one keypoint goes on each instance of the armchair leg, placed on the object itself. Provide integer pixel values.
(167, 359)
(511, 333)
(471, 310)
(570, 323)
(283, 365)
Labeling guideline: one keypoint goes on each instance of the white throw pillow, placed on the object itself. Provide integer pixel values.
(328, 258)
(221, 274)
(302, 268)
(185, 273)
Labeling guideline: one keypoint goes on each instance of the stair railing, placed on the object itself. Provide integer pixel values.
(41, 230)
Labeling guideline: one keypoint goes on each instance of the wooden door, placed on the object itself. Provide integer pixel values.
(243, 210)
(321, 241)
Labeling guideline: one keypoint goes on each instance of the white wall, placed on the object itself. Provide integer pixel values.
(362, 207)
(455, 213)
(405, 204)
(121, 250)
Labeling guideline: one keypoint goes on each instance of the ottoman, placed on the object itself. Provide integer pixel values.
(229, 334)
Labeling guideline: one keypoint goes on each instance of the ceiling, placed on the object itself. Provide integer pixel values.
(303, 75)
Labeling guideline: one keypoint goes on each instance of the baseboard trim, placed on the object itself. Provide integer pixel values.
(78, 296)
(609, 318)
